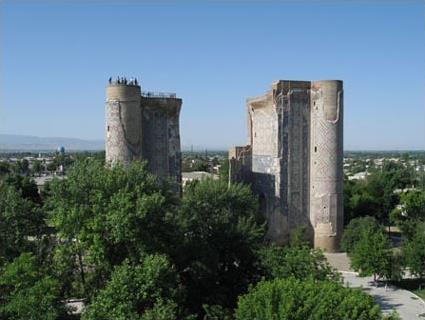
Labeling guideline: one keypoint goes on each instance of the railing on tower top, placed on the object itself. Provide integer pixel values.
(151, 94)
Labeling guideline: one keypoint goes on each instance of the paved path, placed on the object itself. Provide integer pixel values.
(408, 305)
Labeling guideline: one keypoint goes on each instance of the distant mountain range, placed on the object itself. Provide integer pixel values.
(16, 143)
(11, 142)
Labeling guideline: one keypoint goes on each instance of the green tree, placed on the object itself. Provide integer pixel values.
(353, 231)
(26, 292)
(364, 204)
(37, 167)
(371, 254)
(224, 170)
(200, 165)
(104, 215)
(413, 250)
(220, 234)
(51, 167)
(147, 290)
(358, 166)
(375, 195)
(216, 312)
(363, 199)
(19, 220)
(410, 211)
(397, 175)
(5, 168)
(297, 261)
(22, 166)
(100, 155)
(25, 185)
(380, 187)
(291, 298)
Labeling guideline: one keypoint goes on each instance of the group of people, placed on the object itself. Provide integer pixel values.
(123, 80)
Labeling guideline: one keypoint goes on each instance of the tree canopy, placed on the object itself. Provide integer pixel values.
(371, 254)
(125, 242)
(375, 195)
(26, 292)
(297, 260)
(146, 290)
(108, 215)
(413, 250)
(20, 219)
(410, 211)
(354, 230)
(287, 299)
(220, 233)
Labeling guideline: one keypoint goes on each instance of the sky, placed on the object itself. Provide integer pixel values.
(56, 58)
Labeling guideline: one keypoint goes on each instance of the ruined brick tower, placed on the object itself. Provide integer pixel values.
(143, 125)
(294, 159)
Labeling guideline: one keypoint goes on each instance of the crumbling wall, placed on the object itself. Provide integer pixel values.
(292, 100)
(143, 128)
(266, 164)
(295, 135)
(161, 136)
(240, 164)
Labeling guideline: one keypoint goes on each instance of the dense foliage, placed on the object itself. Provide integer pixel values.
(27, 292)
(354, 230)
(145, 290)
(124, 242)
(375, 195)
(371, 254)
(369, 248)
(392, 194)
(413, 250)
(297, 299)
(410, 211)
(297, 260)
(20, 218)
(409, 216)
(220, 233)
(106, 215)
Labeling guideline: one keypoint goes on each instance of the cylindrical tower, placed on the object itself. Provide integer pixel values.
(326, 164)
(123, 141)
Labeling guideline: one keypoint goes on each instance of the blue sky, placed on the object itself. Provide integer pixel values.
(56, 59)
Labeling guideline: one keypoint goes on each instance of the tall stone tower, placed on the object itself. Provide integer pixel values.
(143, 126)
(293, 159)
(123, 123)
(326, 163)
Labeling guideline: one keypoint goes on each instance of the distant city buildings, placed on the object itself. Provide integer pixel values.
(188, 177)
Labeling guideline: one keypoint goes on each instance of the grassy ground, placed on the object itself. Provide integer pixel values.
(417, 286)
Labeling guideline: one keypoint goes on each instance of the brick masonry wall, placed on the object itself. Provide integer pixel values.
(295, 135)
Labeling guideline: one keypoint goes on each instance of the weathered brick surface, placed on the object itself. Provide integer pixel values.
(140, 127)
(294, 161)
